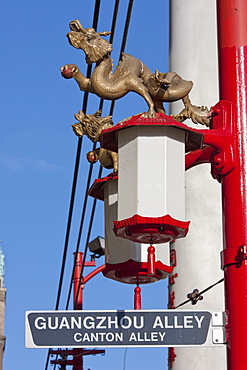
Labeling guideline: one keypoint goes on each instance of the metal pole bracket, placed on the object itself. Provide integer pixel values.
(233, 255)
(218, 144)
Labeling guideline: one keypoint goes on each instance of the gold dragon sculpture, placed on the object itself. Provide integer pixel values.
(130, 75)
(91, 125)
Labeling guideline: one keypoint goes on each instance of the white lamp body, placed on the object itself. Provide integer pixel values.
(151, 172)
(122, 254)
(148, 194)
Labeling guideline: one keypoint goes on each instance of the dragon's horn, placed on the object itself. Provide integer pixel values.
(98, 113)
(104, 33)
(76, 26)
(79, 116)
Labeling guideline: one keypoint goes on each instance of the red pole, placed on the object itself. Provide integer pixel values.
(232, 48)
(77, 352)
(77, 281)
(78, 285)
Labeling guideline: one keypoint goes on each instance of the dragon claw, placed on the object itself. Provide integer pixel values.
(149, 114)
(68, 71)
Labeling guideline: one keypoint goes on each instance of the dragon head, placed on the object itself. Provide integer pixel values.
(88, 40)
(91, 125)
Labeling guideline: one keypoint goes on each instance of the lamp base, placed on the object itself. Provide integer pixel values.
(133, 272)
(149, 230)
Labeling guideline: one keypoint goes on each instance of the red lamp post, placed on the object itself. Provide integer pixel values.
(232, 45)
(78, 289)
(78, 284)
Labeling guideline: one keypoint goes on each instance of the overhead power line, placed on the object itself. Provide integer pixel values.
(114, 19)
(76, 171)
(123, 44)
(87, 242)
(74, 184)
(124, 40)
(77, 161)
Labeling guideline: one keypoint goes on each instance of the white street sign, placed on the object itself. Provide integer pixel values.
(132, 328)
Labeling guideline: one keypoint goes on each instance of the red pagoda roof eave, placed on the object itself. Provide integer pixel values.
(97, 189)
(109, 139)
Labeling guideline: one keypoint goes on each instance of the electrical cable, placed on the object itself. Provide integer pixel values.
(114, 19)
(200, 293)
(73, 191)
(75, 177)
(81, 227)
(76, 171)
(127, 22)
(72, 199)
(125, 355)
(96, 13)
(126, 27)
(87, 241)
(124, 39)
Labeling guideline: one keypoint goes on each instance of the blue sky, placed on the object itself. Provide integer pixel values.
(37, 156)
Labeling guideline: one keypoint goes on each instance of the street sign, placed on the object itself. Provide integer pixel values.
(132, 328)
